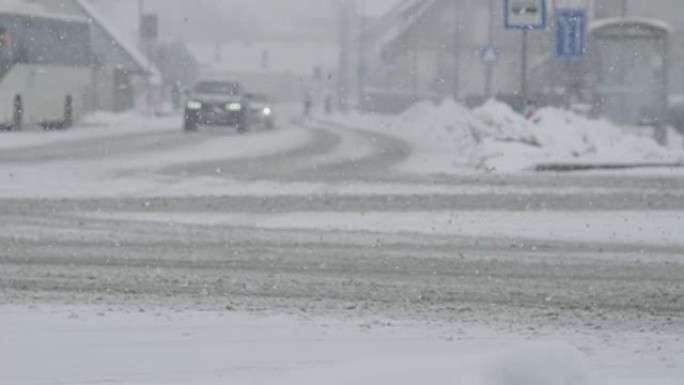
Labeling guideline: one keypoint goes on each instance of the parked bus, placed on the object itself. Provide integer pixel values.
(46, 69)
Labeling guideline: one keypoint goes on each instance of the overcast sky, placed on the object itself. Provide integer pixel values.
(174, 13)
(213, 20)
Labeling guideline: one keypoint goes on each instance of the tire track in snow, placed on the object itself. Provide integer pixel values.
(334, 153)
(260, 167)
(99, 148)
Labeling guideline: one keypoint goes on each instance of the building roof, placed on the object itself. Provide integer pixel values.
(631, 20)
(21, 8)
(408, 12)
(397, 21)
(83, 11)
(134, 53)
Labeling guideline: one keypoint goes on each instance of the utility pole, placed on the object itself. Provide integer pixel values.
(344, 14)
(146, 46)
(414, 43)
(624, 8)
(489, 69)
(457, 49)
(362, 53)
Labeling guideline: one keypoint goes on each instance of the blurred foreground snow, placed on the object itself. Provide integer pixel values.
(154, 346)
(542, 363)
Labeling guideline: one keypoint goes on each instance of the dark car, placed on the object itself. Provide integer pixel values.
(262, 111)
(217, 103)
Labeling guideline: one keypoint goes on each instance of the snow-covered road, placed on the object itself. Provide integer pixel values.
(134, 254)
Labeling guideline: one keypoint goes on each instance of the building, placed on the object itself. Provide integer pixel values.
(434, 48)
(124, 78)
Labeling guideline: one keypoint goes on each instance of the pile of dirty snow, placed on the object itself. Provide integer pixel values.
(562, 137)
(448, 137)
(435, 126)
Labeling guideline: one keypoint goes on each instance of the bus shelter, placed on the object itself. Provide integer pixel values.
(629, 70)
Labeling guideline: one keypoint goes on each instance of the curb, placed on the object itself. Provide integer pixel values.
(570, 167)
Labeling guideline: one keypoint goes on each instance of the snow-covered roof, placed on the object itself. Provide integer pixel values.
(17, 7)
(394, 23)
(131, 50)
(634, 20)
(409, 12)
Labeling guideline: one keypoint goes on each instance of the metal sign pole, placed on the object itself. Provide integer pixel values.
(523, 72)
(526, 16)
(344, 13)
(569, 85)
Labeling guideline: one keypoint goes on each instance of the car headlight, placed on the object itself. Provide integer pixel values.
(267, 111)
(234, 106)
(194, 105)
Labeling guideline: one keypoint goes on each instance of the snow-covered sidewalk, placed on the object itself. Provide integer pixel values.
(100, 125)
(449, 138)
(146, 346)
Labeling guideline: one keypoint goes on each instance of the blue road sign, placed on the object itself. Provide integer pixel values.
(525, 14)
(571, 34)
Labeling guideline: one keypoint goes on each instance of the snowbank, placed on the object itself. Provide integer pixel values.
(98, 125)
(548, 363)
(449, 137)
(560, 136)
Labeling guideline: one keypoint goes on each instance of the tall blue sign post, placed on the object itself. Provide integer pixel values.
(525, 16)
(571, 46)
(571, 34)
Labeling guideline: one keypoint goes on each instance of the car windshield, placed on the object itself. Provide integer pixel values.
(258, 98)
(218, 88)
(341, 192)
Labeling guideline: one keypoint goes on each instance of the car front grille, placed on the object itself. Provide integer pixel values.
(213, 106)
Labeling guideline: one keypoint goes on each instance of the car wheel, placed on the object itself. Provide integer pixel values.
(243, 126)
(68, 112)
(18, 116)
(190, 124)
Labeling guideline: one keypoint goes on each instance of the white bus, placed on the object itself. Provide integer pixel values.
(46, 69)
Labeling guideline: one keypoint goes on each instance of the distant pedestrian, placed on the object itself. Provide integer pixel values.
(308, 106)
